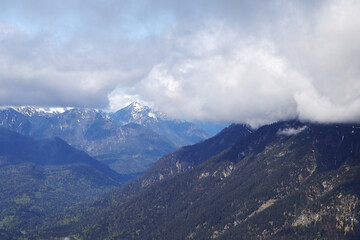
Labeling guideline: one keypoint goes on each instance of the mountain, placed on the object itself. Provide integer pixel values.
(15, 121)
(188, 157)
(137, 113)
(39, 111)
(287, 180)
(184, 159)
(179, 132)
(40, 178)
(129, 141)
(128, 149)
(90, 130)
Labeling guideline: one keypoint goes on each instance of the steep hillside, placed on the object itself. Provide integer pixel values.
(40, 178)
(288, 180)
(187, 157)
(182, 160)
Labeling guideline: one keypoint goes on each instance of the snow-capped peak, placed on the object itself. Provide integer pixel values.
(31, 111)
(139, 113)
(137, 107)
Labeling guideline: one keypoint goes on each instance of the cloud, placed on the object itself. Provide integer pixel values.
(317, 108)
(36, 70)
(291, 131)
(225, 79)
(304, 65)
(229, 61)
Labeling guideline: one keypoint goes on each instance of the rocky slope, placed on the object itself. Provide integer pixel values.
(188, 157)
(183, 159)
(288, 180)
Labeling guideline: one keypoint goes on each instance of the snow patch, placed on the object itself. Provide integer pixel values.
(152, 115)
(137, 107)
(30, 111)
(204, 175)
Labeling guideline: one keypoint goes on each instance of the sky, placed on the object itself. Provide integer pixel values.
(248, 61)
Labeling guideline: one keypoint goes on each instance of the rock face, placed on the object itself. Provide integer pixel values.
(287, 180)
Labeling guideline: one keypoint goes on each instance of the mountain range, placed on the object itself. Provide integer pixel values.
(129, 141)
(287, 180)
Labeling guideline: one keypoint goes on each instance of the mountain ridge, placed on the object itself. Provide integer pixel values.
(92, 131)
(268, 185)
(125, 147)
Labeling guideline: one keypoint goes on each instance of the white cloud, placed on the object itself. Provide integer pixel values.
(238, 80)
(234, 61)
(304, 66)
(312, 106)
(36, 70)
(291, 131)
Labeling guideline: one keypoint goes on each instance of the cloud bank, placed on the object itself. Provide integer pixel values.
(254, 62)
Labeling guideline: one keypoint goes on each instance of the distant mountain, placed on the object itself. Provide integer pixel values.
(15, 121)
(137, 113)
(40, 178)
(91, 131)
(287, 180)
(128, 149)
(179, 132)
(39, 111)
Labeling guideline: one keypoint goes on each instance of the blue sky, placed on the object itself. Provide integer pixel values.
(229, 61)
